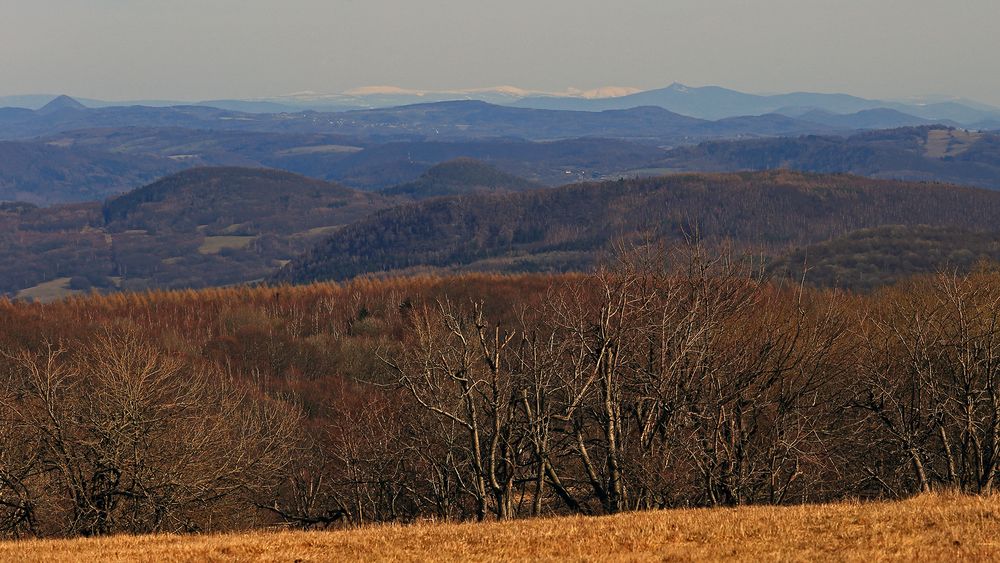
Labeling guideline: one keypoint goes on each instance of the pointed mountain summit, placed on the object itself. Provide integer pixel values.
(60, 103)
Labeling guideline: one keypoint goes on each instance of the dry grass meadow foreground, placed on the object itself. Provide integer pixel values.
(927, 528)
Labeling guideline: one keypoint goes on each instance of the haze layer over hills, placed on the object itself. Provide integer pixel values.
(705, 102)
(454, 185)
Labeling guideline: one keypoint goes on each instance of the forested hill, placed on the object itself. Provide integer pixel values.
(568, 227)
(234, 198)
(201, 227)
(869, 258)
(460, 176)
(933, 153)
(43, 173)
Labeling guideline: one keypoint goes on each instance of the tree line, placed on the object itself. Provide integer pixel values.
(662, 380)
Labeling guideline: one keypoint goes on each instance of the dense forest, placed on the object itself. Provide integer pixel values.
(196, 228)
(676, 377)
(570, 228)
(226, 225)
(869, 258)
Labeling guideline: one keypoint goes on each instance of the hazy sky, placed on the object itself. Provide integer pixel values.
(203, 49)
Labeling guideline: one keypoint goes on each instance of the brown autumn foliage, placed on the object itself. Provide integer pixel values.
(572, 227)
(666, 379)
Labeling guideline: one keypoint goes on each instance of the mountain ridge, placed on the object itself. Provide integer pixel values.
(706, 102)
(567, 228)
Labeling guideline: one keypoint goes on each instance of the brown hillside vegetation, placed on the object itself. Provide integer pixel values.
(220, 226)
(869, 258)
(927, 528)
(197, 228)
(568, 228)
(485, 398)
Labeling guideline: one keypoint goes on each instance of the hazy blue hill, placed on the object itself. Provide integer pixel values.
(460, 176)
(767, 125)
(65, 117)
(880, 118)
(435, 121)
(44, 174)
(249, 106)
(932, 153)
(710, 102)
(15, 114)
(551, 163)
(950, 111)
(714, 103)
(480, 119)
(60, 104)
(365, 164)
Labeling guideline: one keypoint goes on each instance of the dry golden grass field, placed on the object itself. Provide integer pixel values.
(927, 528)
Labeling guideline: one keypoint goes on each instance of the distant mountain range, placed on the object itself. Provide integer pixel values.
(444, 121)
(92, 164)
(706, 102)
(713, 102)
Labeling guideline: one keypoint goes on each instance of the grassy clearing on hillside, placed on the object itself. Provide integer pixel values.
(945, 142)
(49, 291)
(928, 528)
(214, 245)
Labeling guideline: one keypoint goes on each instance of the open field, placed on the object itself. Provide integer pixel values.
(927, 528)
(214, 245)
(942, 143)
(46, 292)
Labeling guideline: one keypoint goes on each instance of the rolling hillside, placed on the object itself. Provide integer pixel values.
(217, 226)
(458, 177)
(198, 228)
(43, 174)
(869, 258)
(921, 153)
(366, 165)
(570, 227)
